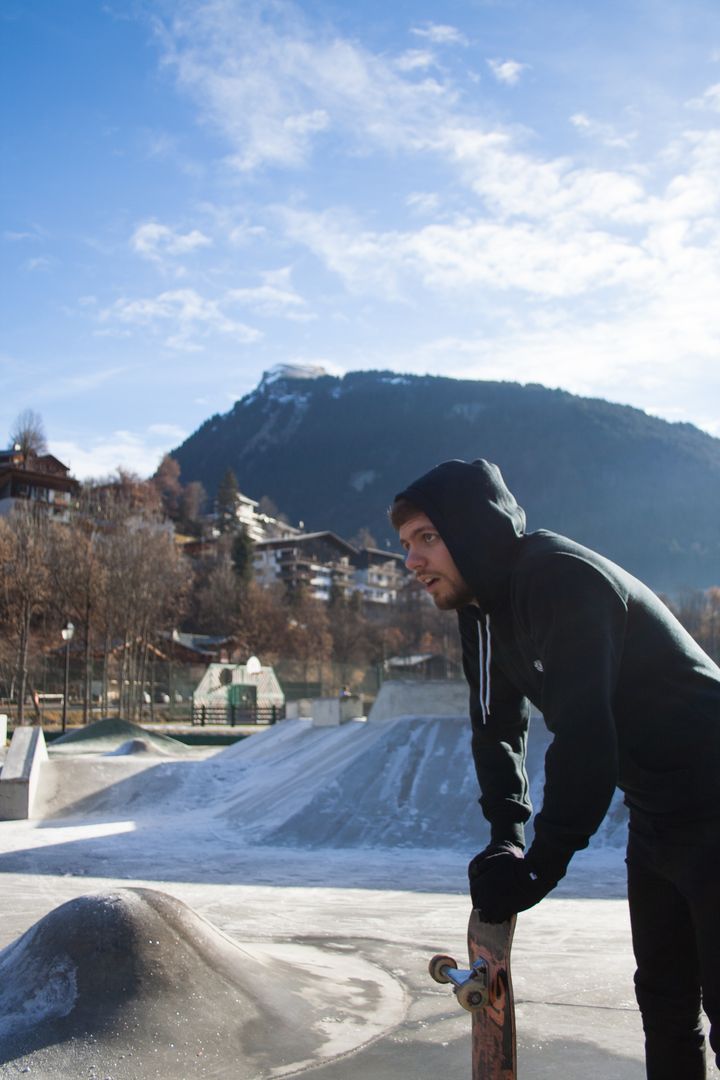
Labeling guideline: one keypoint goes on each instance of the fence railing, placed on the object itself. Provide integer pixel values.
(236, 714)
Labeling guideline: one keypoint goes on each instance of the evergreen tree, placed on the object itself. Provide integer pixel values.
(242, 555)
(226, 502)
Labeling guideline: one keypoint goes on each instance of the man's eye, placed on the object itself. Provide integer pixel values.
(429, 538)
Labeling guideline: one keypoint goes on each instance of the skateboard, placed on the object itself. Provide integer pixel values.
(485, 990)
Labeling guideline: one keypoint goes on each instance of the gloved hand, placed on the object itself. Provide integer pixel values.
(503, 882)
(498, 847)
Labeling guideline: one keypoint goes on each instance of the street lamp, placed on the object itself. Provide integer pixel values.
(67, 636)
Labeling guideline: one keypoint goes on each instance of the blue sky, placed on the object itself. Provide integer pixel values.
(194, 192)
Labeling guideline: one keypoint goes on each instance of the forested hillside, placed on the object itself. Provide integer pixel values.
(332, 452)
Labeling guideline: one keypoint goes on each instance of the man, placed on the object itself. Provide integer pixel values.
(631, 701)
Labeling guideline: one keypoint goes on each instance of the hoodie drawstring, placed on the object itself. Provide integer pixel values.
(485, 656)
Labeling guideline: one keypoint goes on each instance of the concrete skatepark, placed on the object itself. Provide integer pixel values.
(269, 909)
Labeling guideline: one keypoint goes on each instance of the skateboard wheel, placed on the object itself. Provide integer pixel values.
(471, 996)
(436, 965)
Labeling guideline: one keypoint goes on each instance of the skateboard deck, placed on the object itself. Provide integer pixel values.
(485, 990)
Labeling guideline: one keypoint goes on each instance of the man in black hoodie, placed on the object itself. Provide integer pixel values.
(630, 700)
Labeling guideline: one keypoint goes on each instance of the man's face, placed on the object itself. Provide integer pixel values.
(432, 564)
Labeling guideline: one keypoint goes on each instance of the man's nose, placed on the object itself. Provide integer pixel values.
(412, 559)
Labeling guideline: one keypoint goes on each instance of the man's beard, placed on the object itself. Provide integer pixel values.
(456, 597)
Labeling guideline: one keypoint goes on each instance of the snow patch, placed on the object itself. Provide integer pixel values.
(396, 380)
(292, 371)
(360, 480)
(468, 410)
(33, 990)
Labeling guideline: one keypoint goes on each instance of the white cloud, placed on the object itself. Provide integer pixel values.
(507, 71)
(155, 241)
(307, 123)
(614, 262)
(183, 314)
(271, 87)
(426, 202)
(415, 60)
(85, 381)
(541, 260)
(440, 34)
(709, 100)
(39, 263)
(275, 297)
(139, 452)
(18, 237)
(168, 431)
(587, 279)
(606, 134)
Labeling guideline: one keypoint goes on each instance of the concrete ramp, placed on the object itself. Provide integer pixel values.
(408, 782)
(134, 984)
(420, 697)
(20, 777)
(108, 735)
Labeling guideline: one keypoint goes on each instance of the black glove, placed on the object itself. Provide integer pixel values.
(498, 847)
(503, 882)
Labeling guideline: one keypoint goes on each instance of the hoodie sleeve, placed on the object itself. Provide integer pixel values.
(576, 620)
(499, 743)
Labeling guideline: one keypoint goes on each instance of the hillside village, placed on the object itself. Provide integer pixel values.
(119, 593)
(228, 581)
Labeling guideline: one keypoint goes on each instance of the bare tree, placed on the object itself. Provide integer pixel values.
(349, 630)
(78, 578)
(167, 483)
(28, 432)
(219, 598)
(261, 625)
(308, 635)
(24, 583)
(147, 583)
(192, 504)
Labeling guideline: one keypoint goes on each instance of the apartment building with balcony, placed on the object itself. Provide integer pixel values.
(318, 562)
(323, 563)
(37, 478)
(379, 575)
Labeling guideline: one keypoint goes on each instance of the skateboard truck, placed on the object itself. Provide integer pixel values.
(485, 990)
(470, 985)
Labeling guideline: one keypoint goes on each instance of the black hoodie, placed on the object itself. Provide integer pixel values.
(628, 695)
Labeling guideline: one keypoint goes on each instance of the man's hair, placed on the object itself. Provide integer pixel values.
(402, 510)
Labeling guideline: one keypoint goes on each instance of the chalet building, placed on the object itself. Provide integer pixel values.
(319, 562)
(380, 575)
(260, 526)
(322, 562)
(40, 479)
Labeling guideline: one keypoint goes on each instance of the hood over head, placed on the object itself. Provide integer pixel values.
(478, 519)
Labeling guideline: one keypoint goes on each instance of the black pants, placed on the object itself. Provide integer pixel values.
(674, 894)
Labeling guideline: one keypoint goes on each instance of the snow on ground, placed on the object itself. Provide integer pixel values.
(352, 838)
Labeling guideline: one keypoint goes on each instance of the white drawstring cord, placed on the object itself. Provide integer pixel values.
(485, 656)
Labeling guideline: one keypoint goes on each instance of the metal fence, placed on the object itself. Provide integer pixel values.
(234, 714)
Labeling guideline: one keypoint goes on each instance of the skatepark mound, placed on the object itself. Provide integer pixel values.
(135, 746)
(108, 735)
(134, 984)
(407, 782)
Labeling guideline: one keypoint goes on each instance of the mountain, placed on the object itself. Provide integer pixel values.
(332, 452)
